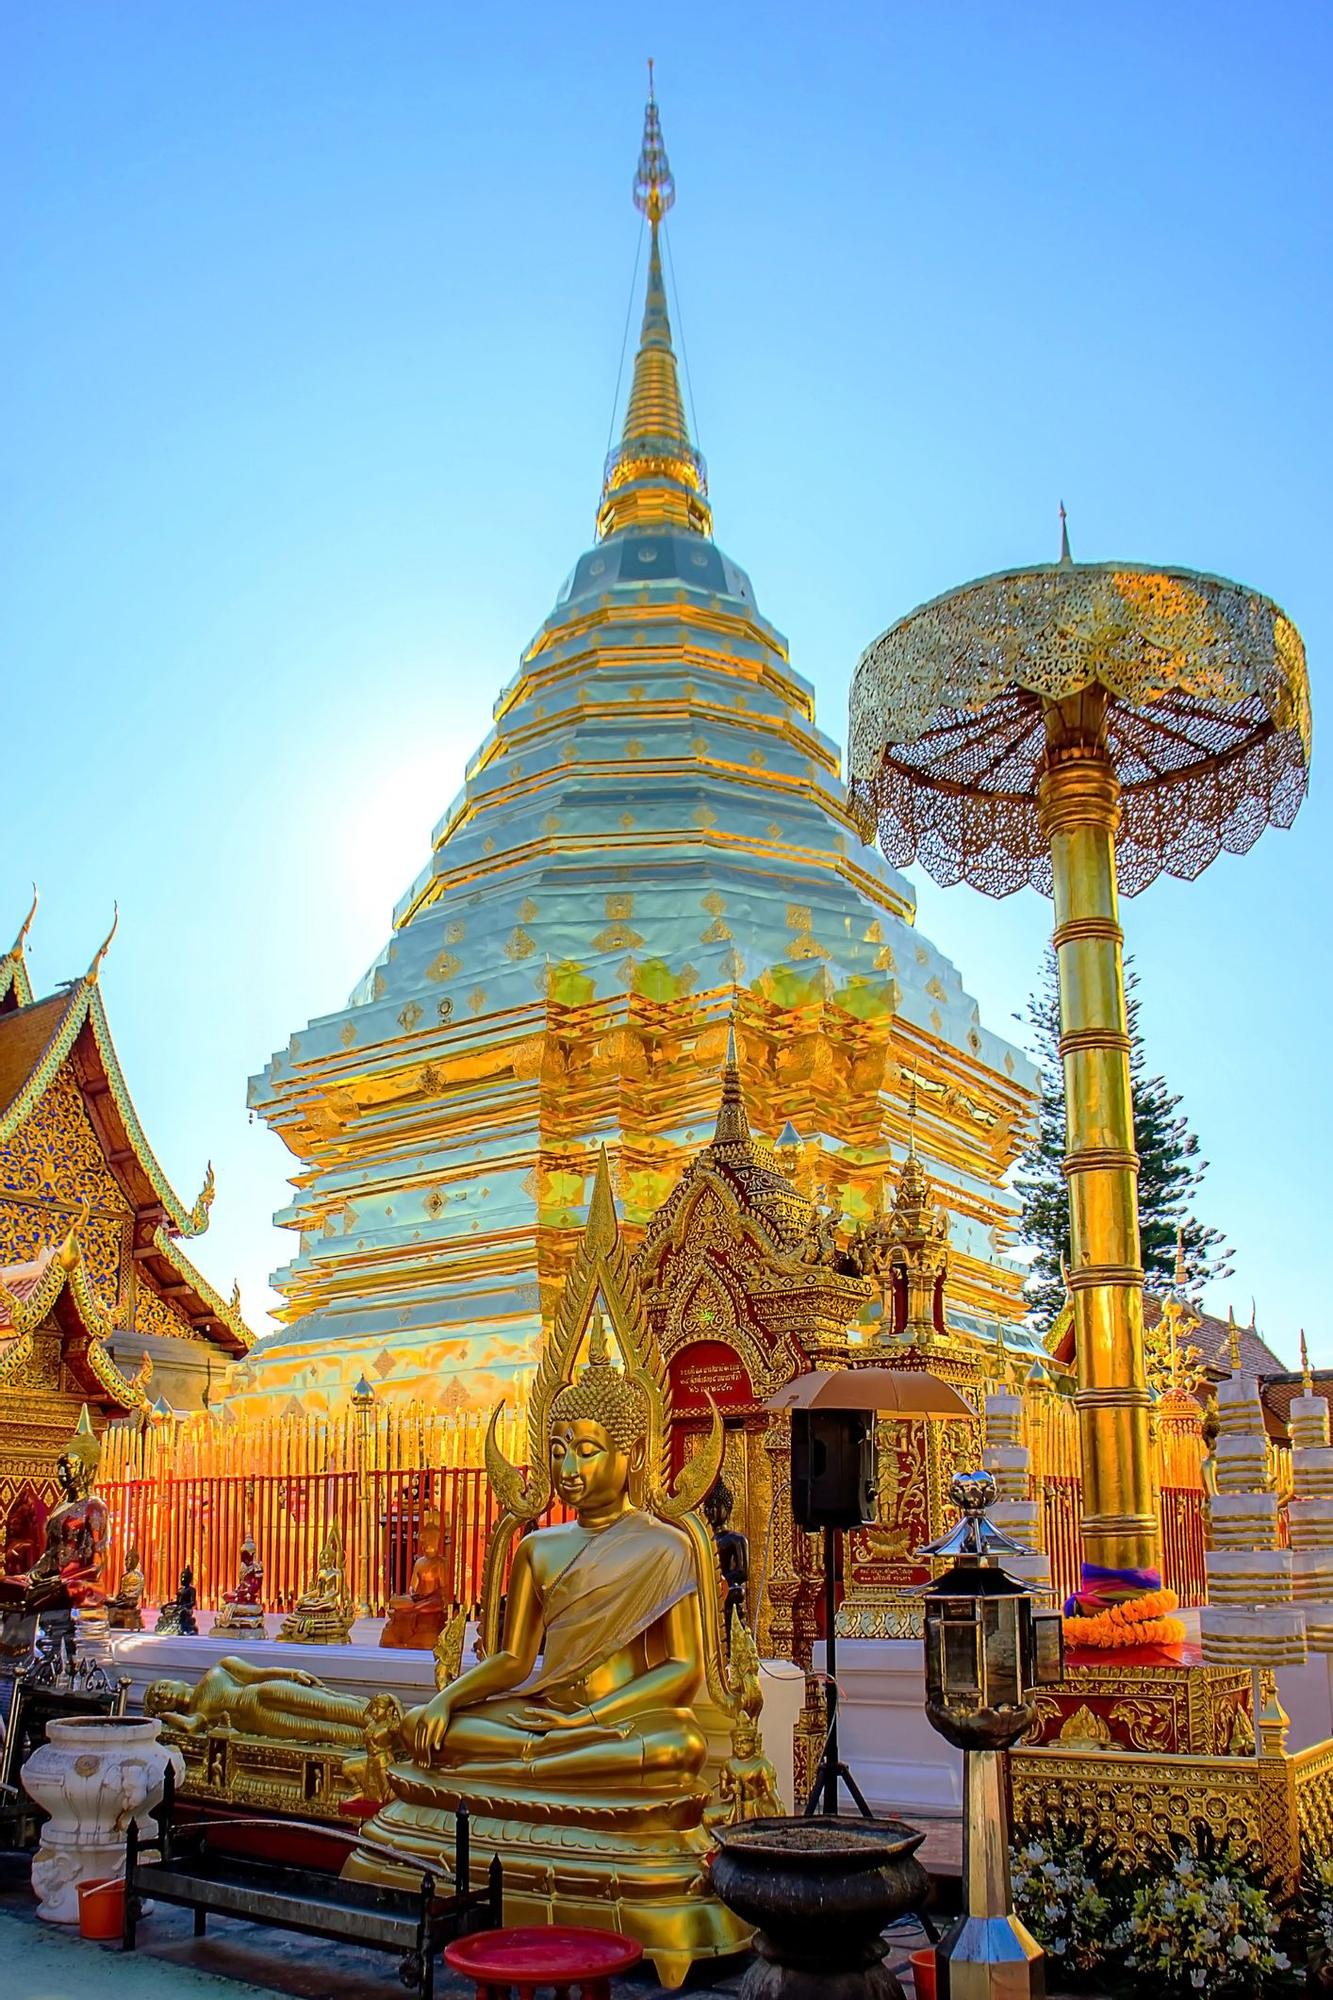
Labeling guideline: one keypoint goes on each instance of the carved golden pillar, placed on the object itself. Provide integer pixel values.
(1078, 809)
(780, 1554)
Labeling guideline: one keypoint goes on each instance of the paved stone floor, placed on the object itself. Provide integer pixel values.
(238, 1961)
(48, 1962)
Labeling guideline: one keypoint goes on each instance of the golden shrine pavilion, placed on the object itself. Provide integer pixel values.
(97, 1297)
(651, 845)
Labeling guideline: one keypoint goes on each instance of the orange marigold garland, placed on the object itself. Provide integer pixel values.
(1138, 1621)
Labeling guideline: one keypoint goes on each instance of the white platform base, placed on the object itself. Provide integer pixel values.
(364, 1668)
(896, 1757)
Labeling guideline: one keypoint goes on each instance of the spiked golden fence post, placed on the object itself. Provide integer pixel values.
(1081, 727)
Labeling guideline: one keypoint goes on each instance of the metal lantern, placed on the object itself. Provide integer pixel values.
(987, 1650)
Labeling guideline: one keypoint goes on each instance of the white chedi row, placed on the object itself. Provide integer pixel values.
(1009, 1462)
(1310, 1517)
(1250, 1619)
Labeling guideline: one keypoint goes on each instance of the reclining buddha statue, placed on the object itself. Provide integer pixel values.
(592, 1733)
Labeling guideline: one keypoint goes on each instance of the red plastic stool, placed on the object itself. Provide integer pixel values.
(516, 1962)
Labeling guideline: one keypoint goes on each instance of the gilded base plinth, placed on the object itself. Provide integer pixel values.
(1282, 1805)
(1150, 1699)
(239, 1621)
(642, 1880)
(297, 1780)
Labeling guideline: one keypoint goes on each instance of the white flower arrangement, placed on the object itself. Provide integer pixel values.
(1059, 1882)
(1205, 1924)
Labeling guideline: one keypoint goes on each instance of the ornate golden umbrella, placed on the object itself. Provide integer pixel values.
(1058, 726)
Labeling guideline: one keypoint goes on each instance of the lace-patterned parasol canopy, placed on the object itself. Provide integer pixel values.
(1208, 720)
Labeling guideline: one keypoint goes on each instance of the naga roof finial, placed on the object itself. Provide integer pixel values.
(105, 945)
(16, 949)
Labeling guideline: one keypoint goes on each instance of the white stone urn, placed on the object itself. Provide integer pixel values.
(93, 1775)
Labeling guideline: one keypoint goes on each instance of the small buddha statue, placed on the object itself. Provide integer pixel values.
(733, 1551)
(64, 1586)
(176, 1619)
(748, 1785)
(124, 1611)
(67, 1576)
(323, 1612)
(242, 1613)
(418, 1618)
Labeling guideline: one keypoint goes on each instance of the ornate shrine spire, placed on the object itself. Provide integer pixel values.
(733, 1124)
(654, 478)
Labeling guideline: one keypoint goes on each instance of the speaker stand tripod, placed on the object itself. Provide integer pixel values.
(831, 1771)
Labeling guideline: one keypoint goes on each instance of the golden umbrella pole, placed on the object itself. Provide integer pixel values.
(1060, 726)
(1078, 811)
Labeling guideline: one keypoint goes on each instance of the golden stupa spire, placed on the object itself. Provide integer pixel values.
(1307, 1373)
(1233, 1341)
(733, 1124)
(654, 477)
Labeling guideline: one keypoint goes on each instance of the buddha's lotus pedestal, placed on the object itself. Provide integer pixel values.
(639, 1869)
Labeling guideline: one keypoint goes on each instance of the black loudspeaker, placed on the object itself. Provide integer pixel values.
(834, 1482)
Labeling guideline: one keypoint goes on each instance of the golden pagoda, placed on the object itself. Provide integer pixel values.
(652, 843)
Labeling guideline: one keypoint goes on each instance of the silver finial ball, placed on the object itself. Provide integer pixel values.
(974, 1492)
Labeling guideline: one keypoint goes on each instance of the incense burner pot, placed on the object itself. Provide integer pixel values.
(820, 1891)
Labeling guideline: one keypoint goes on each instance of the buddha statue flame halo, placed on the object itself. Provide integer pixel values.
(632, 1404)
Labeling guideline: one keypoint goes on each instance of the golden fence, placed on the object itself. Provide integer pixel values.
(187, 1492)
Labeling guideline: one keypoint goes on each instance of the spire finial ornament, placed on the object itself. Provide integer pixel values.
(1233, 1341)
(733, 1122)
(1066, 560)
(654, 477)
(654, 189)
(1307, 1373)
(911, 1113)
(1180, 1258)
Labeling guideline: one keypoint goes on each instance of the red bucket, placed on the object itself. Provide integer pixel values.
(923, 1973)
(102, 1911)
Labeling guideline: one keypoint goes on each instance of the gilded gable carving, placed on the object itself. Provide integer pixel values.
(152, 1314)
(29, 1227)
(55, 1154)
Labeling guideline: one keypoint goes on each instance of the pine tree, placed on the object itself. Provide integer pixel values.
(1171, 1169)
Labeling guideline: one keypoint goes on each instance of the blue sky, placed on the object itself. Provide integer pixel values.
(312, 322)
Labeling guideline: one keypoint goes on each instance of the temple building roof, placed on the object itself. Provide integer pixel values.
(90, 1226)
(651, 842)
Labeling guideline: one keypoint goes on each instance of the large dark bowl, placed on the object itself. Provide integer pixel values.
(821, 1890)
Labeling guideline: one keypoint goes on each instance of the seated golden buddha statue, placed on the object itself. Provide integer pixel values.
(242, 1613)
(323, 1612)
(124, 1611)
(590, 1736)
(610, 1602)
(417, 1619)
